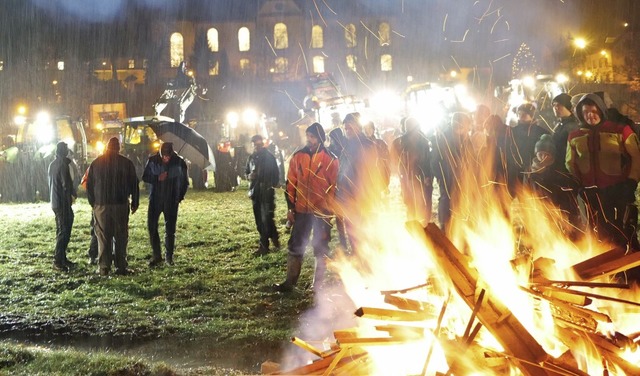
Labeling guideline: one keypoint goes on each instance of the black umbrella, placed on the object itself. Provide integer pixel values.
(186, 142)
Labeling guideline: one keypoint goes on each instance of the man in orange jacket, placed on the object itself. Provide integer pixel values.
(311, 181)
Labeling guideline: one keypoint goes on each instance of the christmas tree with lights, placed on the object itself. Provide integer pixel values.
(524, 63)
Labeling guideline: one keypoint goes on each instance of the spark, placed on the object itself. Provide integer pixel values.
(319, 14)
(270, 46)
(463, 37)
(290, 98)
(455, 62)
(501, 40)
(500, 58)
(494, 24)
(304, 56)
(369, 30)
(444, 23)
(328, 7)
(508, 27)
(398, 34)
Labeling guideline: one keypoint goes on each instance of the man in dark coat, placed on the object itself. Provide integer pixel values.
(166, 173)
(264, 176)
(411, 157)
(359, 182)
(521, 145)
(566, 124)
(63, 194)
(111, 182)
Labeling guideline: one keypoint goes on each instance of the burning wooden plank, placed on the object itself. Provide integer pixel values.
(391, 314)
(608, 263)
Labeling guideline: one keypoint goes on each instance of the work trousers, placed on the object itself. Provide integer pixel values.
(112, 231)
(64, 223)
(304, 225)
(263, 212)
(170, 212)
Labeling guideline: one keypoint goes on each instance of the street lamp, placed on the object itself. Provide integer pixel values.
(580, 43)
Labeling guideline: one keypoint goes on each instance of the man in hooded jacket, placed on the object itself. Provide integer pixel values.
(605, 158)
(166, 172)
(62, 194)
(311, 181)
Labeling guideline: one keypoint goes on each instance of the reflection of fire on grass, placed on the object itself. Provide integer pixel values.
(489, 300)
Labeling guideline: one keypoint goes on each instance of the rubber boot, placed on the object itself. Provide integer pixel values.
(294, 265)
(319, 272)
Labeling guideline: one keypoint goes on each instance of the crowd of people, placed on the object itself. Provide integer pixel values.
(585, 168)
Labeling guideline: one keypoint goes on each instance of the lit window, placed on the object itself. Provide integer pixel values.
(177, 49)
(244, 40)
(245, 65)
(384, 33)
(318, 64)
(350, 35)
(214, 68)
(60, 65)
(212, 39)
(1, 65)
(282, 65)
(317, 37)
(280, 37)
(145, 63)
(132, 63)
(386, 63)
(351, 62)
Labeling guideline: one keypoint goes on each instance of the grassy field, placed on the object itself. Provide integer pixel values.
(216, 292)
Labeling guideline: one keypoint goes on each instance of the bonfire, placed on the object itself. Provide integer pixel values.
(503, 292)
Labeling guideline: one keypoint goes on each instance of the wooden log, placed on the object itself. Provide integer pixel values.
(409, 304)
(496, 317)
(565, 296)
(375, 341)
(608, 263)
(304, 345)
(594, 295)
(391, 314)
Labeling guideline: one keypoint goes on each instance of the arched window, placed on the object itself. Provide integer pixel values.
(212, 39)
(350, 35)
(384, 33)
(280, 37)
(318, 64)
(282, 64)
(351, 62)
(386, 63)
(317, 37)
(244, 40)
(176, 43)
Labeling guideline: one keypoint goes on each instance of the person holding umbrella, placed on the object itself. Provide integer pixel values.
(166, 172)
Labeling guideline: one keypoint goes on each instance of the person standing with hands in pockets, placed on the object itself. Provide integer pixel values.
(166, 172)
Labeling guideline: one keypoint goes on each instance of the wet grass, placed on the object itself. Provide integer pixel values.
(217, 288)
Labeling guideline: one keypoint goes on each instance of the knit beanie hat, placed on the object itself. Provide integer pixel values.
(113, 144)
(62, 149)
(317, 130)
(166, 149)
(545, 144)
(564, 100)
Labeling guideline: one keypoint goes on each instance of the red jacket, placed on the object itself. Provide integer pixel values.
(311, 181)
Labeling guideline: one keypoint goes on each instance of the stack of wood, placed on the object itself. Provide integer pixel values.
(573, 322)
